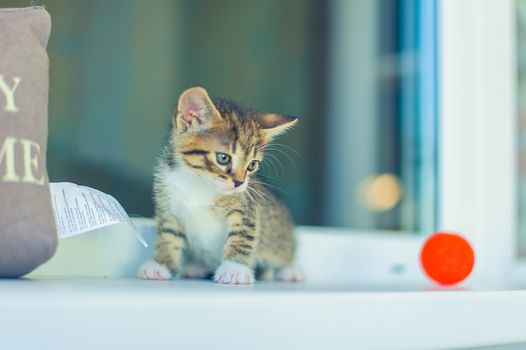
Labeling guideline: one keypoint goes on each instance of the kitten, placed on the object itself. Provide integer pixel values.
(213, 215)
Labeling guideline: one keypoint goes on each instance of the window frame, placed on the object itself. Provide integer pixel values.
(477, 148)
(477, 131)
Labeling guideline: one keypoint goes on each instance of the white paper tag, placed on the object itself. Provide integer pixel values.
(79, 209)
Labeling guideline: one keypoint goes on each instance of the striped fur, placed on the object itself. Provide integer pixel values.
(203, 219)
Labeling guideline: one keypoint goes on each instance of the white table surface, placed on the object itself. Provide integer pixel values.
(86, 313)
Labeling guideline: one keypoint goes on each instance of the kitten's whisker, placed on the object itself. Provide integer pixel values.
(252, 200)
(255, 190)
(260, 195)
(267, 184)
(282, 152)
(262, 192)
(287, 147)
(268, 167)
(277, 160)
(245, 205)
(273, 165)
(270, 163)
(266, 175)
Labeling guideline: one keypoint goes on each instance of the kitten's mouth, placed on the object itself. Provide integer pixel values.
(235, 189)
(226, 187)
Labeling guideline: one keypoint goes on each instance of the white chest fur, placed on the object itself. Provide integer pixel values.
(191, 200)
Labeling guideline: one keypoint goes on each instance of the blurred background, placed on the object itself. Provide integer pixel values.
(521, 122)
(360, 75)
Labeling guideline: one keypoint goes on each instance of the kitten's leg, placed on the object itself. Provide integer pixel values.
(277, 245)
(239, 249)
(266, 274)
(289, 273)
(152, 270)
(171, 241)
(280, 271)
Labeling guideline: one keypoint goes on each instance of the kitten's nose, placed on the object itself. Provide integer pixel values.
(237, 183)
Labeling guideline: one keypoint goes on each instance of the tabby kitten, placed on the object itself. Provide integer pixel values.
(213, 216)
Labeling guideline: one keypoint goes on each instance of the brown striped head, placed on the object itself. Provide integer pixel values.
(220, 140)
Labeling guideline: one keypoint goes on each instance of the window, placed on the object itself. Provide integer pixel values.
(382, 115)
(361, 75)
(408, 110)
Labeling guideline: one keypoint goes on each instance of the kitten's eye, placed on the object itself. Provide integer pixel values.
(222, 158)
(252, 165)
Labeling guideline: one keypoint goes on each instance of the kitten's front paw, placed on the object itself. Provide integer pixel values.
(152, 270)
(234, 273)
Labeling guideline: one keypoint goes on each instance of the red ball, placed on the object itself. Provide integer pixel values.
(447, 258)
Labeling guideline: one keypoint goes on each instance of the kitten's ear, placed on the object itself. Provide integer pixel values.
(195, 110)
(275, 124)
